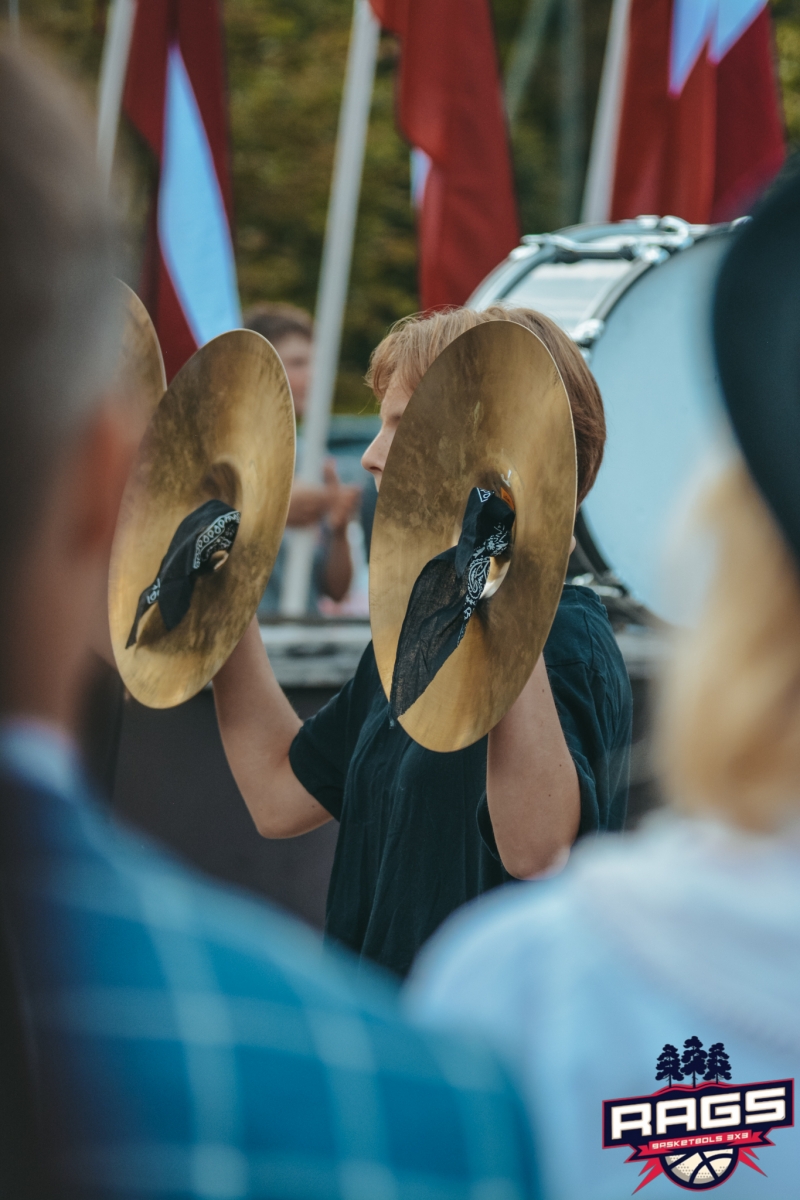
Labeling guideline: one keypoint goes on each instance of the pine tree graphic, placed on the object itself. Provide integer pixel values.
(693, 1060)
(718, 1064)
(669, 1064)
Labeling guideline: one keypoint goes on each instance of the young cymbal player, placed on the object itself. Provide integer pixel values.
(422, 832)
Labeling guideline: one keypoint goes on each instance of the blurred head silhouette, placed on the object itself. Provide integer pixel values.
(731, 721)
(291, 332)
(64, 444)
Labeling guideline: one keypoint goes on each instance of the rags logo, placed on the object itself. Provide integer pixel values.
(697, 1134)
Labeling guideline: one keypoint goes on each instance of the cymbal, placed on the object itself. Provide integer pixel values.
(139, 382)
(491, 412)
(140, 372)
(224, 430)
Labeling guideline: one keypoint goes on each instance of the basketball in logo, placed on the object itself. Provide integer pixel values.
(698, 1169)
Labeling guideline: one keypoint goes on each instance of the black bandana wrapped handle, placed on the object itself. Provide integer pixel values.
(201, 544)
(445, 596)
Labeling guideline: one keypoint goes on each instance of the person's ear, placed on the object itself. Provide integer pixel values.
(101, 465)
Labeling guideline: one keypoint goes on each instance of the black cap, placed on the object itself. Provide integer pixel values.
(757, 344)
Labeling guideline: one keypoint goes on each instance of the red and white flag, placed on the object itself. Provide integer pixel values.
(175, 96)
(450, 110)
(689, 119)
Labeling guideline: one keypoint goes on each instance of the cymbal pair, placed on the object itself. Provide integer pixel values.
(490, 414)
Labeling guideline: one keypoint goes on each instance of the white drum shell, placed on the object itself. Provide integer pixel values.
(654, 363)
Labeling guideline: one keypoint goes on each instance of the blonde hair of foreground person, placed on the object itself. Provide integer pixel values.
(729, 740)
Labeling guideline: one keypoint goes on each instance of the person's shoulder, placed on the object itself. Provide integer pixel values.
(526, 930)
(498, 958)
(581, 613)
(89, 870)
(679, 889)
(497, 930)
(495, 953)
(214, 968)
(257, 949)
(581, 633)
(288, 993)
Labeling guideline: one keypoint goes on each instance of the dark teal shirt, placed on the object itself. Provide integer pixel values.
(415, 838)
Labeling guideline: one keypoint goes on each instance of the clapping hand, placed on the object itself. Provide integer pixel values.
(332, 501)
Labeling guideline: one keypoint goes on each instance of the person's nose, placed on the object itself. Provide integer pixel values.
(374, 457)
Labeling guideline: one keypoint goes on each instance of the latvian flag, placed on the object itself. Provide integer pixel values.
(175, 97)
(689, 121)
(450, 110)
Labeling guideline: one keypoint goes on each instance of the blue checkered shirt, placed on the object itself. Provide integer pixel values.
(188, 1042)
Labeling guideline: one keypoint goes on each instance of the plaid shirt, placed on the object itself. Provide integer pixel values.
(188, 1042)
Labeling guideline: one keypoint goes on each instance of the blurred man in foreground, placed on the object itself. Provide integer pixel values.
(183, 1041)
(331, 505)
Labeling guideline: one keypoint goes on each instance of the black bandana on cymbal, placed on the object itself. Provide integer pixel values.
(445, 595)
(203, 536)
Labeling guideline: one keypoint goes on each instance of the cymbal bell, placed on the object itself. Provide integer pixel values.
(140, 375)
(224, 430)
(491, 412)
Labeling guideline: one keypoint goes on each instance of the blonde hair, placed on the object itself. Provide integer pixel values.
(413, 343)
(729, 738)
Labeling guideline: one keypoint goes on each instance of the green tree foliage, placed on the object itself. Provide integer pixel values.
(786, 15)
(535, 140)
(286, 62)
(286, 68)
(73, 29)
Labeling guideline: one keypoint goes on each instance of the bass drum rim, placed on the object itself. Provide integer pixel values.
(588, 565)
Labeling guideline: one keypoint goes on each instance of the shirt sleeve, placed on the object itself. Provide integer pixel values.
(322, 749)
(592, 696)
(486, 830)
(580, 700)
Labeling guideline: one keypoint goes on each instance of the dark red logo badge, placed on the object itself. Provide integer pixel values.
(697, 1133)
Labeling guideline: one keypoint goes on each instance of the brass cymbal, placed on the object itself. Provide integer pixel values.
(224, 430)
(139, 382)
(491, 412)
(140, 372)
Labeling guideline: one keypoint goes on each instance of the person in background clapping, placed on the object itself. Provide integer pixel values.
(329, 506)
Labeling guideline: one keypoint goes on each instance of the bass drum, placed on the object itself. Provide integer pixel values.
(636, 296)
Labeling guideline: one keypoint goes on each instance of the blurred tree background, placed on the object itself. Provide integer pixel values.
(286, 67)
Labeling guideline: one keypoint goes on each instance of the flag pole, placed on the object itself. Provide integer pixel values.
(603, 153)
(113, 68)
(333, 283)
